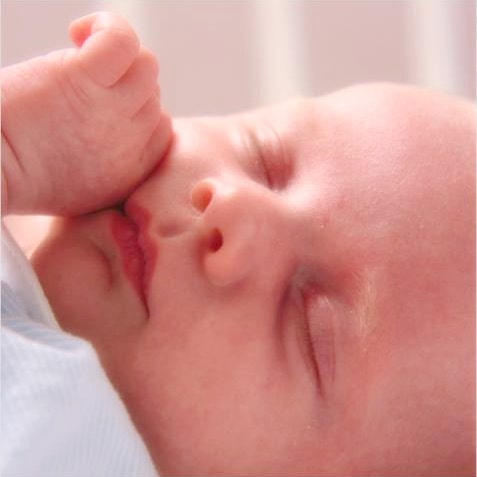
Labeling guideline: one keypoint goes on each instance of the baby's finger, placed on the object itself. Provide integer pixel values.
(138, 84)
(108, 46)
(80, 29)
(156, 123)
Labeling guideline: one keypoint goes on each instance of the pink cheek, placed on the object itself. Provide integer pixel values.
(76, 277)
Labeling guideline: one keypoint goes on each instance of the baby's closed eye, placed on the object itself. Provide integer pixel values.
(267, 155)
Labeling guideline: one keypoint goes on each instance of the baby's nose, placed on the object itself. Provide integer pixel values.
(236, 227)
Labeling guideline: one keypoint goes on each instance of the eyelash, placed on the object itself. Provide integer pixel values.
(318, 318)
(307, 336)
(266, 172)
(275, 166)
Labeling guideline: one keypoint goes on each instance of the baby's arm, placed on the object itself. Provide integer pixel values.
(81, 127)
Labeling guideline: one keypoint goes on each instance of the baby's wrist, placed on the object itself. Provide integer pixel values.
(18, 195)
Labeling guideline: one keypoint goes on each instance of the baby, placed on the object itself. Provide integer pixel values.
(278, 292)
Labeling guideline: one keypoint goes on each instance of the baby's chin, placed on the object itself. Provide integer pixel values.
(80, 271)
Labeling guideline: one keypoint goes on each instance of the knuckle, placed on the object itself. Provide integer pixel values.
(126, 40)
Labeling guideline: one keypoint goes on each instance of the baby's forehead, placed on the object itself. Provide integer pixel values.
(361, 101)
(374, 117)
(359, 108)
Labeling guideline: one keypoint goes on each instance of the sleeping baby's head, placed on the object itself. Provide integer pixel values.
(292, 290)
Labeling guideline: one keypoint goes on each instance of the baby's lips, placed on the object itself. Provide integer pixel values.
(125, 235)
(137, 214)
(141, 217)
(150, 253)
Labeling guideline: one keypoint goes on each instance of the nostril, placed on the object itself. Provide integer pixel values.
(215, 240)
(201, 196)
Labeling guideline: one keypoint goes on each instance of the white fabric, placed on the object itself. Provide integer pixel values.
(60, 416)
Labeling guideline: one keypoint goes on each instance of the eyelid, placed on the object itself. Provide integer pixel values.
(318, 312)
(266, 147)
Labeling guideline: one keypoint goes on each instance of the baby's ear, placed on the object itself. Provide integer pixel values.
(108, 46)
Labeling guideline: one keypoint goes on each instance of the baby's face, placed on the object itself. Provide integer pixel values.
(307, 301)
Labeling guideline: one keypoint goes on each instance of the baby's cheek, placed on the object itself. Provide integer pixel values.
(76, 280)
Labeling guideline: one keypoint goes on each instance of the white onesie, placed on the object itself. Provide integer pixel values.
(60, 416)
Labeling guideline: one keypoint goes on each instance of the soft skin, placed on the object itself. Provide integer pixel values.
(311, 308)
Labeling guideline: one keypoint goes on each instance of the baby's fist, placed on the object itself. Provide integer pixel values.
(95, 128)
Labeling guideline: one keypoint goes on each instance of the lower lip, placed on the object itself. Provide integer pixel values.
(125, 235)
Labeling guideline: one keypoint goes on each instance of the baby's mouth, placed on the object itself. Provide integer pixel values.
(126, 236)
(138, 253)
(140, 218)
